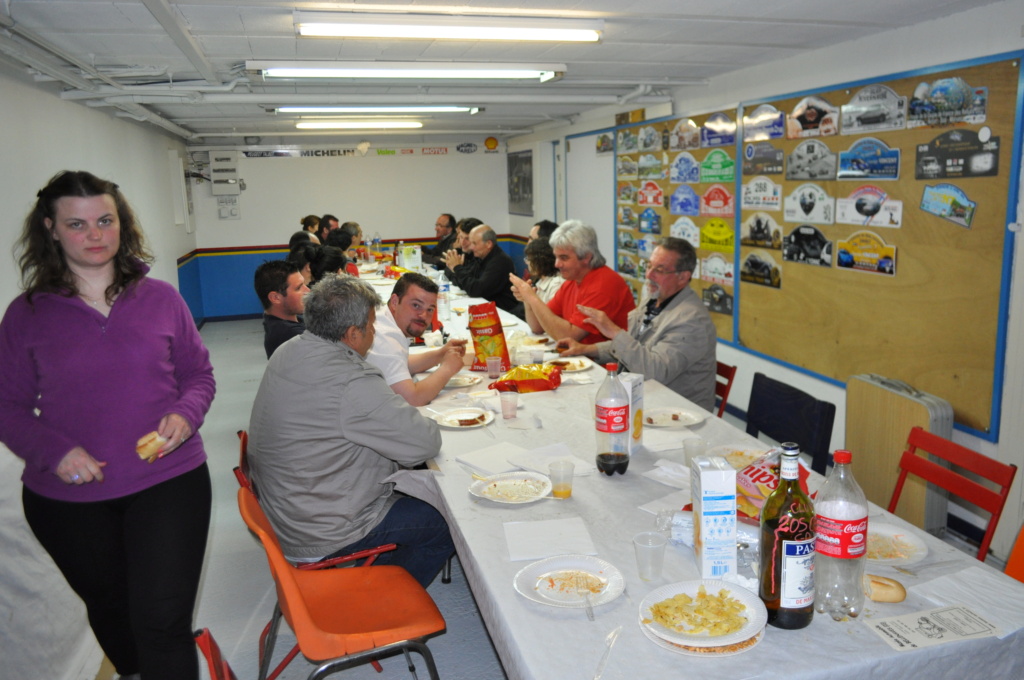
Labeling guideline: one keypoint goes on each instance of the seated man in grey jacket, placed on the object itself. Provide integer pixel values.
(326, 431)
(671, 338)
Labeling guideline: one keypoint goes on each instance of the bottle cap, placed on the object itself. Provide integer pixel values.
(611, 366)
(842, 457)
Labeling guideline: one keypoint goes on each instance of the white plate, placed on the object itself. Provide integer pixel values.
(573, 364)
(451, 417)
(899, 546)
(512, 487)
(672, 417)
(551, 581)
(463, 380)
(696, 651)
(739, 456)
(757, 615)
(535, 342)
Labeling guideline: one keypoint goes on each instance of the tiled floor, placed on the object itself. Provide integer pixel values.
(237, 593)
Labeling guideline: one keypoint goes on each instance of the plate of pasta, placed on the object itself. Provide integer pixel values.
(704, 613)
(512, 487)
(891, 545)
(552, 581)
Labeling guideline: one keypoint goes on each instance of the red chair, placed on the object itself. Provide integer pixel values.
(245, 481)
(219, 667)
(723, 384)
(954, 482)
(1015, 565)
(342, 617)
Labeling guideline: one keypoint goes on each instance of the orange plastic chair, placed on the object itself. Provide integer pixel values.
(343, 617)
(1015, 565)
(370, 554)
(954, 482)
(219, 667)
(723, 387)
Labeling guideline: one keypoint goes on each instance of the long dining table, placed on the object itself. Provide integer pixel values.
(538, 641)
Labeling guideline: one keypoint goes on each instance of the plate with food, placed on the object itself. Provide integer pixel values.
(512, 487)
(571, 364)
(690, 650)
(738, 456)
(552, 581)
(673, 417)
(463, 380)
(705, 613)
(463, 418)
(891, 545)
(536, 342)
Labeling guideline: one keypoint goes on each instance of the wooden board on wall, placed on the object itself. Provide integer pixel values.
(652, 148)
(934, 324)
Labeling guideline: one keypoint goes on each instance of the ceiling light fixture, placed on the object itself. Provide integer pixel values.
(359, 125)
(442, 27)
(377, 109)
(406, 70)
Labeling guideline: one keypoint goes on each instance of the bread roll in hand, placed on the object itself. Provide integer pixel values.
(149, 446)
(882, 589)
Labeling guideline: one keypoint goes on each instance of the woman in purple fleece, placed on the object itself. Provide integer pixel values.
(94, 355)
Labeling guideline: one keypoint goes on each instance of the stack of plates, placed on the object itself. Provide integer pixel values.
(702, 644)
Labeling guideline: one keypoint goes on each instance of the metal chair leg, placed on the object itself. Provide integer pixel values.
(446, 570)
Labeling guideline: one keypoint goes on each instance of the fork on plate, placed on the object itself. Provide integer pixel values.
(582, 589)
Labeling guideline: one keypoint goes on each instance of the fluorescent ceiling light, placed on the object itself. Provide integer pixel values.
(406, 70)
(377, 109)
(441, 27)
(359, 125)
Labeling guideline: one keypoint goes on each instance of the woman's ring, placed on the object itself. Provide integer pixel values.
(75, 478)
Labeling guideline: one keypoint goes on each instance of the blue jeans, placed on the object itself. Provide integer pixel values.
(420, 532)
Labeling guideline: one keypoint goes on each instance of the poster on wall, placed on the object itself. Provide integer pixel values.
(718, 130)
(626, 168)
(649, 139)
(520, 183)
(717, 299)
(866, 251)
(958, 153)
(605, 143)
(685, 168)
(947, 101)
(717, 166)
(809, 203)
(761, 193)
(760, 267)
(686, 229)
(716, 268)
(626, 195)
(717, 234)
(627, 244)
(685, 135)
(807, 245)
(762, 158)
(869, 158)
(761, 230)
(626, 141)
(949, 202)
(811, 159)
(764, 122)
(870, 206)
(875, 108)
(812, 117)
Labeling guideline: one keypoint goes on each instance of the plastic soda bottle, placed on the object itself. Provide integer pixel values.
(611, 418)
(842, 539)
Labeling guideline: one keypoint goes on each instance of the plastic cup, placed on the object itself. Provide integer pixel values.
(693, 447)
(561, 472)
(650, 554)
(536, 356)
(509, 404)
(493, 367)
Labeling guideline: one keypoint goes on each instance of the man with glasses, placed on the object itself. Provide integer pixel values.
(671, 338)
(444, 230)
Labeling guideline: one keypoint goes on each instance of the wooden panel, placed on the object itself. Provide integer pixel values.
(878, 422)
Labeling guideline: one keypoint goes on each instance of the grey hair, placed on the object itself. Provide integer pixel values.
(581, 238)
(687, 260)
(336, 303)
(487, 234)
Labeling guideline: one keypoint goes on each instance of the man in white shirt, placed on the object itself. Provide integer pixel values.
(406, 315)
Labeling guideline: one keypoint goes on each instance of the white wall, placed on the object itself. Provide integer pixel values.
(978, 33)
(400, 196)
(44, 633)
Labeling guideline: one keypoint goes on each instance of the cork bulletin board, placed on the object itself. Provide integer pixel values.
(868, 231)
(912, 292)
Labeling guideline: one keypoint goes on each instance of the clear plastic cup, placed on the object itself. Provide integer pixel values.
(650, 554)
(561, 472)
(493, 367)
(509, 404)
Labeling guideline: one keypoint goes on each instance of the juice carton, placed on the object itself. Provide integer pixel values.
(713, 491)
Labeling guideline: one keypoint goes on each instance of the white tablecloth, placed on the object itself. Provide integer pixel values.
(542, 642)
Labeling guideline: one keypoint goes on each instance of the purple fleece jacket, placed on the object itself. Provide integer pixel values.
(71, 377)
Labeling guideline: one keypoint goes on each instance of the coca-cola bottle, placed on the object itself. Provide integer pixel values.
(611, 419)
(841, 546)
(787, 548)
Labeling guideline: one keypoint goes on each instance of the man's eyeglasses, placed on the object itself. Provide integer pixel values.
(661, 271)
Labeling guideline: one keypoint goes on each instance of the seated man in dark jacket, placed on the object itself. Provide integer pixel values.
(281, 288)
(444, 229)
(487, 278)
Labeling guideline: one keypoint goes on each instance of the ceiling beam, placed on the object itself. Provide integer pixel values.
(178, 32)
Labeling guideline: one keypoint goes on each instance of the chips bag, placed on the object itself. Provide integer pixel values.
(756, 479)
(529, 378)
(488, 336)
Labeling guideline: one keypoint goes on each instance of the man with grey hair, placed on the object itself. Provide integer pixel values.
(325, 433)
(671, 338)
(588, 283)
(487, 278)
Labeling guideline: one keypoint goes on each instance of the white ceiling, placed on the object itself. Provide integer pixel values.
(180, 64)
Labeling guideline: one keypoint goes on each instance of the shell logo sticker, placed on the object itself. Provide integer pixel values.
(491, 144)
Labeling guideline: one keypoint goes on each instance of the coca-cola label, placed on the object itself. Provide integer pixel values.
(612, 419)
(842, 538)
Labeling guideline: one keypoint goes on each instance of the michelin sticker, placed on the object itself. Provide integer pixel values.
(807, 245)
(866, 251)
(869, 158)
(875, 108)
(949, 202)
(869, 206)
(764, 122)
(761, 193)
(957, 154)
(809, 203)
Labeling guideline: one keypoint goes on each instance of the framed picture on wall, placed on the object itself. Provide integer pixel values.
(520, 183)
